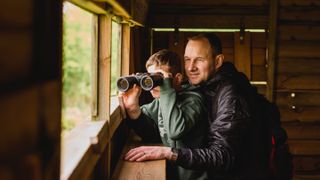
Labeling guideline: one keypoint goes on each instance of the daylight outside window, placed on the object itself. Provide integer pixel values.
(77, 66)
(115, 62)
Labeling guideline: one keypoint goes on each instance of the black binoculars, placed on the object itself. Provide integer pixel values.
(146, 81)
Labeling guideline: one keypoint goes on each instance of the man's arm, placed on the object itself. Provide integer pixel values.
(226, 134)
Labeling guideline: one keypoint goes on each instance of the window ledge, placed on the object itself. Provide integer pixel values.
(82, 147)
(76, 145)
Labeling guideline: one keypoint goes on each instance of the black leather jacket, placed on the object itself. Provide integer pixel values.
(235, 149)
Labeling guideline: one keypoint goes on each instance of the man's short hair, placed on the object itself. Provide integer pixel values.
(214, 42)
(166, 57)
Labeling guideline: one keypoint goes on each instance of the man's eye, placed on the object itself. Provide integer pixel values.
(186, 60)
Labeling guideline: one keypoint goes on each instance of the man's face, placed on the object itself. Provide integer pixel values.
(198, 60)
(155, 92)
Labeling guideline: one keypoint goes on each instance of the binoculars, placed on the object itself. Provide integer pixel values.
(146, 81)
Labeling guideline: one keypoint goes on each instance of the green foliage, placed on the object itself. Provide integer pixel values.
(77, 61)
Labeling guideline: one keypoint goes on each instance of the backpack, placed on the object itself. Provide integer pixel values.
(280, 158)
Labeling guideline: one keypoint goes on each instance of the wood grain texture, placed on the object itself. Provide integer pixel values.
(126, 170)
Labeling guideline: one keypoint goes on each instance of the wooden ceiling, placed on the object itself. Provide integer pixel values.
(208, 13)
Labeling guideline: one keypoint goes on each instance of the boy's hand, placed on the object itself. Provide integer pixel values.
(165, 73)
(131, 101)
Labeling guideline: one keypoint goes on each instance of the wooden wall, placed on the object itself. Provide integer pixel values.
(232, 49)
(297, 58)
(30, 89)
(297, 82)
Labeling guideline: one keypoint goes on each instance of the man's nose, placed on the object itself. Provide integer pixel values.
(191, 66)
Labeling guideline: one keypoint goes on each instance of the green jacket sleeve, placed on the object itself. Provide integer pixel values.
(180, 112)
(146, 125)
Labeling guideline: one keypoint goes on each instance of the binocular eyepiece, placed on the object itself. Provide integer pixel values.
(146, 81)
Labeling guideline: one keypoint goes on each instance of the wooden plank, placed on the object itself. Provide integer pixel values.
(160, 41)
(272, 48)
(304, 147)
(306, 164)
(300, 33)
(259, 40)
(298, 82)
(104, 67)
(306, 176)
(300, 13)
(126, 170)
(228, 54)
(303, 49)
(303, 130)
(300, 114)
(216, 2)
(207, 21)
(259, 57)
(90, 6)
(299, 66)
(139, 10)
(16, 63)
(21, 20)
(125, 50)
(227, 38)
(94, 67)
(299, 99)
(299, 2)
(259, 73)
(177, 43)
(20, 125)
(76, 151)
(242, 53)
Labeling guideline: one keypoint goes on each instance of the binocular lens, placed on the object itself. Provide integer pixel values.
(123, 84)
(146, 83)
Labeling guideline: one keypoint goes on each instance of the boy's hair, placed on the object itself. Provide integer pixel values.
(166, 57)
(214, 42)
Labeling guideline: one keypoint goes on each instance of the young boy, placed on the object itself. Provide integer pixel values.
(177, 113)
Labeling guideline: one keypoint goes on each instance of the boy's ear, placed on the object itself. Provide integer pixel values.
(179, 78)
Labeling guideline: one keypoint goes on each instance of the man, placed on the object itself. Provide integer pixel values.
(176, 115)
(236, 146)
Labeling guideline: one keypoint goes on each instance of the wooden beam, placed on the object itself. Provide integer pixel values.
(89, 6)
(126, 170)
(242, 53)
(208, 21)
(104, 67)
(183, 9)
(272, 48)
(125, 50)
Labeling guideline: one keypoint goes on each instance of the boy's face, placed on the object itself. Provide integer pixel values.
(155, 92)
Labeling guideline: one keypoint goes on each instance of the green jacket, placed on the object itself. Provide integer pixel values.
(179, 118)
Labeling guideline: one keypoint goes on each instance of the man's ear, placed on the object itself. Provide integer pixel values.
(219, 61)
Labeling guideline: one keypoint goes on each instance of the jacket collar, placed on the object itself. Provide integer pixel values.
(227, 72)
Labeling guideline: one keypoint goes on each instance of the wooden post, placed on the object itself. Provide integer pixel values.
(242, 53)
(104, 85)
(125, 65)
(272, 49)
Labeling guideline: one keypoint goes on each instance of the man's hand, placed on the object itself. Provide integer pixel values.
(131, 101)
(144, 153)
